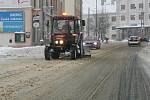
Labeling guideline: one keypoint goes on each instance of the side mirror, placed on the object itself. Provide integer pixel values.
(83, 22)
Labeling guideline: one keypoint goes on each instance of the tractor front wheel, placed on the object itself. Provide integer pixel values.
(55, 54)
(47, 53)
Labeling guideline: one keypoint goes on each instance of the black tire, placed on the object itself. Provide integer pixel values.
(55, 55)
(98, 47)
(129, 45)
(139, 44)
(47, 53)
(73, 54)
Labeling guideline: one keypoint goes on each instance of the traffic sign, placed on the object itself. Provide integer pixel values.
(36, 24)
(37, 17)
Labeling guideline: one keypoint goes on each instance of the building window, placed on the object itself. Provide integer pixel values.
(19, 38)
(149, 16)
(140, 17)
(122, 18)
(132, 17)
(122, 7)
(47, 3)
(141, 6)
(113, 27)
(113, 19)
(34, 3)
(149, 5)
(132, 6)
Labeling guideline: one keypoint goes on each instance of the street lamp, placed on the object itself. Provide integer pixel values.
(96, 19)
(142, 19)
(48, 10)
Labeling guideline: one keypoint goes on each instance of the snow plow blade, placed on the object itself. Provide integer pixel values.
(87, 52)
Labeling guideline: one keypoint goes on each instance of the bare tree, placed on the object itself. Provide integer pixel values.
(104, 24)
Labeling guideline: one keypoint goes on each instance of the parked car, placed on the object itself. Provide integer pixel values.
(92, 42)
(144, 39)
(134, 40)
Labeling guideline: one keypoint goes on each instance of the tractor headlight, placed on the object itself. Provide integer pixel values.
(84, 43)
(56, 42)
(61, 42)
(95, 43)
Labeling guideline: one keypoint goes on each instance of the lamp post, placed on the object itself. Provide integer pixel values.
(96, 20)
(142, 20)
(88, 30)
(49, 13)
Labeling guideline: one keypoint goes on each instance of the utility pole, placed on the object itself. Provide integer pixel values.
(51, 13)
(88, 30)
(102, 23)
(142, 19)
(81, 3)
(96, 20)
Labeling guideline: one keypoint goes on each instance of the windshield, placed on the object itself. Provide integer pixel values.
(63, 26)
(134, 38)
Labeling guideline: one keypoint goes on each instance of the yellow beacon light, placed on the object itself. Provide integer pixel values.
(64, 14)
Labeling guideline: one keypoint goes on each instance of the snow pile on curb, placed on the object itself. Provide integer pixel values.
(115, 41)
(22, 52)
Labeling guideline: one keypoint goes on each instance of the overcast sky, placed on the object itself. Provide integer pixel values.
(92, 5)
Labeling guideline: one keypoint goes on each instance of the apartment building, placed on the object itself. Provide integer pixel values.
(133, 18)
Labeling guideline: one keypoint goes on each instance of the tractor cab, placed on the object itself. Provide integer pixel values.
(66, 36)
(65, 30)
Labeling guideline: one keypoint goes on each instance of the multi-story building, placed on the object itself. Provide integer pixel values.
(133, 18)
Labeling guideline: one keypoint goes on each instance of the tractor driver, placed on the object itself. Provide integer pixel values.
(66, 27)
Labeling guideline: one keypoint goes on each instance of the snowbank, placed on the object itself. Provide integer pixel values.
(115, 41)
(21, 52)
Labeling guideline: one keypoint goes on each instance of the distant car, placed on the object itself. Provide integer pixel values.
(134, 40)
(92, 42)
(144, 39)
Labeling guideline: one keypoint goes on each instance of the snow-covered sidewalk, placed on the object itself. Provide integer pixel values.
(33, 51)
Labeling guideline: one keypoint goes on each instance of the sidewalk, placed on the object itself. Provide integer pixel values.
(33, 51)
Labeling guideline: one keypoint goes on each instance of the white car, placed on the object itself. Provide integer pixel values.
(134, 40)
(92, 42)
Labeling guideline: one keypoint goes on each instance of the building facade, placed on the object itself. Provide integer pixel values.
(133, 18)
(15, 23)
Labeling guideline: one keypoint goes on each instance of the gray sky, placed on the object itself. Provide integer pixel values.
(92, 4)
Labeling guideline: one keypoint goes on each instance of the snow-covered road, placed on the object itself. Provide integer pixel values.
(115, 72)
